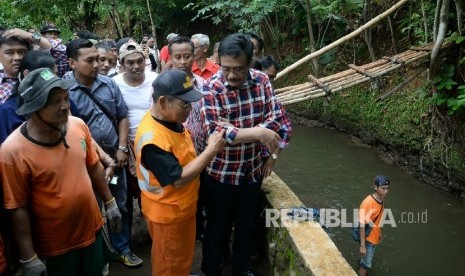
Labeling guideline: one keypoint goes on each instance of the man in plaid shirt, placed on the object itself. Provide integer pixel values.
(242, 101)
(14, 44)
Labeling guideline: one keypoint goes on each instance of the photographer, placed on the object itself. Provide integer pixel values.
(147, 44)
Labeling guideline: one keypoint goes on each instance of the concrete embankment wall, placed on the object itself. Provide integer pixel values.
(301, 248)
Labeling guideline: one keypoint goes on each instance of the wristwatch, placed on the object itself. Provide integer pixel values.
(123, 149)
(36, 38)
(274, 156)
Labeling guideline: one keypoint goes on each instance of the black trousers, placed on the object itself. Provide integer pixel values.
(225, 205)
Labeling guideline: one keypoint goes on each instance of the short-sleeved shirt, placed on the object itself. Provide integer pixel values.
(138, 99)
(53, 182)
(109, 95)
(210, 69)
(164, 54)
(371, 210)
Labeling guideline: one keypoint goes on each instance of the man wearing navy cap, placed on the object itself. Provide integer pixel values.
(168, 172)
(371, 212)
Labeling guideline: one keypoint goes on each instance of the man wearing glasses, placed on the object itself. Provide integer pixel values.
(202, 66)
(258, 128)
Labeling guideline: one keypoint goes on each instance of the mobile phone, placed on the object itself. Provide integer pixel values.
(114, 180)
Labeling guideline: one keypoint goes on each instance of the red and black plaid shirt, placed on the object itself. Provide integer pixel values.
(6, 86)
(252, 105)
(58, 52)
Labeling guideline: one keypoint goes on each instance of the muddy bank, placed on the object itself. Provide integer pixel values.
(408, 162)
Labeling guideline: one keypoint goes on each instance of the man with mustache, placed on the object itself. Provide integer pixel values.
(258, 128)
(101, 105)
(50, 171)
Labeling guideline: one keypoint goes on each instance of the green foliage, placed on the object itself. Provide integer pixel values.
(243, 15)
(449, 91)
(413, 24)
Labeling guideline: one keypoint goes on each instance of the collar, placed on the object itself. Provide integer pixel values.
(173, 126)
(4, 77)
(97, 82)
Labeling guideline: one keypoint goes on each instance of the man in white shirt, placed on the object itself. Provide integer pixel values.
(135, 84)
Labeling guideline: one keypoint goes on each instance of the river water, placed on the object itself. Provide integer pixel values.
(425, 230)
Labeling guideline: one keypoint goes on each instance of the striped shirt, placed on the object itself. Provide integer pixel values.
(252, 105)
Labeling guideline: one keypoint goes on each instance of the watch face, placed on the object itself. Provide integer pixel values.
(36, 36)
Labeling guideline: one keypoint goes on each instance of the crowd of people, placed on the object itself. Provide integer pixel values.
(88, 125)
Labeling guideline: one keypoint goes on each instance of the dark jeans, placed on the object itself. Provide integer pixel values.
(123, 197)
(225, 205)
(199, 216)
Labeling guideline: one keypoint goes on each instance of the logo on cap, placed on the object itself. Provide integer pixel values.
(46, 75)
(188, 83)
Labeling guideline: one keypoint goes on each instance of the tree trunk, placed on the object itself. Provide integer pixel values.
(115, 25)
(116, 16)
(436, 19)
(442, 29)
(154, 35)
(308, 9)
(460, 19)
(425, 23)
(367, 32)
(392, 35)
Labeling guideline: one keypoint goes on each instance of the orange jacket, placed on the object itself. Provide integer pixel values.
(165, 204)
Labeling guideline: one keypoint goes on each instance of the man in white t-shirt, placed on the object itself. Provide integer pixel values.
(135, 84)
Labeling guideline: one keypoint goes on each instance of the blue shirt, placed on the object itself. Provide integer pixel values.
(101, 127)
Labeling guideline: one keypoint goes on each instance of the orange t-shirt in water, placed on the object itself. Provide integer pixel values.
(371, 210)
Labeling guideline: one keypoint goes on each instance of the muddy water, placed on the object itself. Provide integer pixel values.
(426, 230)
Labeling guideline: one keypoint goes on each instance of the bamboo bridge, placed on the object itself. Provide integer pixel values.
(371, 72)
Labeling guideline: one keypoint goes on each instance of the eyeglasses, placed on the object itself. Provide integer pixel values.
(196, 47)
(236, 70)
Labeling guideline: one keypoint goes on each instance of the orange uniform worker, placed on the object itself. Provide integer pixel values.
(168, 172)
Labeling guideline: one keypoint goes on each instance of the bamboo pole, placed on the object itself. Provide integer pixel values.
(341, 40)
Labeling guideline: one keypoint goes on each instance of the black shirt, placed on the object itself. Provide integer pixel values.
(164, 165)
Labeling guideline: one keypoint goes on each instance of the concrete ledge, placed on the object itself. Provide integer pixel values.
(303, 248)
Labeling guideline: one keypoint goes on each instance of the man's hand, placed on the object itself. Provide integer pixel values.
(216, 142)
(113, 216)
(121, 158)
(268, 167)
(269, 138)
(18, 32)
(34, 267)
(363, 251)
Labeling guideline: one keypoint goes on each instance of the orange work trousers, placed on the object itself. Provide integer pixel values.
(173, 247)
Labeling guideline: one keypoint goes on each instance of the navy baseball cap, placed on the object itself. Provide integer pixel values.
(176, 83)
(382, 180)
